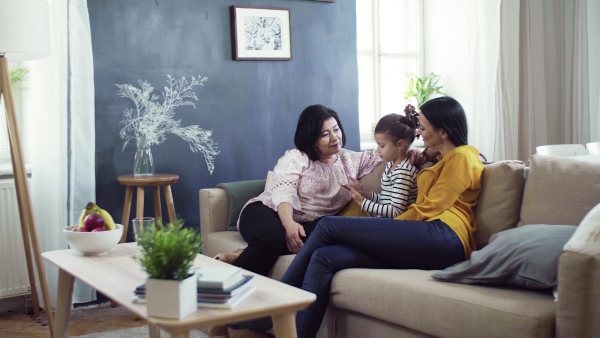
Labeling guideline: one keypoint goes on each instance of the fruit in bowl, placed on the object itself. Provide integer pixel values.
(95, 233)
(93, 242)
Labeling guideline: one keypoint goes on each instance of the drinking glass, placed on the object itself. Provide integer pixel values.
(141, 224)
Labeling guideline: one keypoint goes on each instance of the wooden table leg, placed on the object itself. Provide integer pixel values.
(170, 204)
(126, 209)
(154, 330)
(157, 211)
(139, 211)
(285, 325)
(63, 306)
(180, 334)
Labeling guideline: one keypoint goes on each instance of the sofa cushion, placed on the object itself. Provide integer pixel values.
(559, 190)
(525, 257)
(499, 203)
(588, 231)
(411, 298)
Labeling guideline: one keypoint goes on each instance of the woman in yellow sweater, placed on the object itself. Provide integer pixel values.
(434, 233)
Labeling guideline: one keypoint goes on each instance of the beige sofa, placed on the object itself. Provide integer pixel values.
(409, 303)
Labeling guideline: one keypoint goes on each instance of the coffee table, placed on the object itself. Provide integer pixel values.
(116, 274)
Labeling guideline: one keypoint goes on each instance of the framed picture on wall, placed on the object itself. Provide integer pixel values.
(261, 33)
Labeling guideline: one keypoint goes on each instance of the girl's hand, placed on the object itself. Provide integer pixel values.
(293, 232)
(357, 186)
(356, 196)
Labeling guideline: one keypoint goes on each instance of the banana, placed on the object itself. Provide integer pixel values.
(93, 208)
(109, 223)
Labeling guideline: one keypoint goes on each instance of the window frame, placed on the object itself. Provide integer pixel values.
(375, 55)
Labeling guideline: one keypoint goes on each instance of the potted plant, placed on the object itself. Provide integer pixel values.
(167, 255)
(420, 89)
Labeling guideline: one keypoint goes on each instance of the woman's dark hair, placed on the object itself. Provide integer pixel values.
(308, 130)
(397, 127)
(446, 113)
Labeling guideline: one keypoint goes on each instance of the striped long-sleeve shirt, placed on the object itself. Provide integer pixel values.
(398, 191)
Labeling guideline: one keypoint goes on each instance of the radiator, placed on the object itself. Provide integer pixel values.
(14, 279)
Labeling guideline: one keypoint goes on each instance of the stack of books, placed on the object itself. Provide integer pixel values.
(222, 286)
(218, 287)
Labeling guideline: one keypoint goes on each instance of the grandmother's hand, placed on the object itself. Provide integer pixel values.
(293, 232)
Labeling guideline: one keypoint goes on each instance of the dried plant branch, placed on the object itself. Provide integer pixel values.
(152, 120)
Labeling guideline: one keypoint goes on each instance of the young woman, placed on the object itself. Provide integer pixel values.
(434, 233)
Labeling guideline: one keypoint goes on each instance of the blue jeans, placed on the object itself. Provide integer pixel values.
(340, 243)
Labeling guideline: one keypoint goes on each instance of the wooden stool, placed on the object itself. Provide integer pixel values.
(155, 181)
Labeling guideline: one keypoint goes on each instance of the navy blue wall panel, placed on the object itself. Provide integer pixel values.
(251, 106)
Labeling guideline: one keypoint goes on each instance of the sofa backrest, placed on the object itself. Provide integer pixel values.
(559, 190)
(499, 203)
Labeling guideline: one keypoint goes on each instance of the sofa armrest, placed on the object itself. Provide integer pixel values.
(578, 307)
(214, 210)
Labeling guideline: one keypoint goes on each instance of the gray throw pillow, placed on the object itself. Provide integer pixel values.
(523, 257)
(238, 194)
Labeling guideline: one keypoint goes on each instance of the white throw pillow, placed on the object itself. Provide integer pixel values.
(588, 231)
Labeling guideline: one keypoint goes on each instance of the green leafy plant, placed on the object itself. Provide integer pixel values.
(420, 89)
(18, 76)
(169, 251)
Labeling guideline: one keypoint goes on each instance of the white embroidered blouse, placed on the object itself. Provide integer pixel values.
(312, 187)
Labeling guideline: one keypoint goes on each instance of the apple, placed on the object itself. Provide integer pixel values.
(99, 229)
(93, 221)
(79, 229)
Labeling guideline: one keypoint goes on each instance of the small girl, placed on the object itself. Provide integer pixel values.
(394, 135)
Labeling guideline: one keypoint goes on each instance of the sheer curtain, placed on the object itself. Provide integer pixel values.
(58, 129)
(546, 82)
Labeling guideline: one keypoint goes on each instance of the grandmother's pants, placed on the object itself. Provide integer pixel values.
(339, 243)
(261, 227)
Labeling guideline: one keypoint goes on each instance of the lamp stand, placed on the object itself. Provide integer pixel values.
(28, 228)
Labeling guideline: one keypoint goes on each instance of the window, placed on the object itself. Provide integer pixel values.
(389, 44)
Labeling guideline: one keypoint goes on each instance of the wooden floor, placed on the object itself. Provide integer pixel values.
(14, 322)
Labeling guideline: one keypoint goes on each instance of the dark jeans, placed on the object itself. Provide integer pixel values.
(340, 243)
(261, 227)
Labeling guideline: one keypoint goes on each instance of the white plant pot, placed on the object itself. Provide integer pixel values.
(171, 298)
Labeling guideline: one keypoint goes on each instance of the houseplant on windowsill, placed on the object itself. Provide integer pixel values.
(420, 89)
(167, 255)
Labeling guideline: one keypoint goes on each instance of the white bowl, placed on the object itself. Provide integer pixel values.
(93, 243)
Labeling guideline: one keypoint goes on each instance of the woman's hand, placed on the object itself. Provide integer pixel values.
(293, 233)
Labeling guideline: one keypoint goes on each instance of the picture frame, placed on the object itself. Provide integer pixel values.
(261, 33)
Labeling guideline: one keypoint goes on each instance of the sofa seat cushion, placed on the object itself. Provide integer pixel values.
(411, 298)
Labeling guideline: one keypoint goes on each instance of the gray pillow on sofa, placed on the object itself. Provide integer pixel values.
(524, 257)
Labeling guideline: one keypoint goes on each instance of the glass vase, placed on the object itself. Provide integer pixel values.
(143, 164)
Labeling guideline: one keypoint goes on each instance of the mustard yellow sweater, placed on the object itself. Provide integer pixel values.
(448, 191)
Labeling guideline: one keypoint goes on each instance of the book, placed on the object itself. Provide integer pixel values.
(244, 284)
(218, 277)
(231, 302)
(227, 303)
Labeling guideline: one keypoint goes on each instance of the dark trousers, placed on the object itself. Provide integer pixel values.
(261, 228)
(340, 243)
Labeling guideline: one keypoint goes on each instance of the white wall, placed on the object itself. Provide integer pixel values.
(445, 30)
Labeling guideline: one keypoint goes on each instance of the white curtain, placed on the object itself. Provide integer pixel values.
(58, 132)
(484, 41)
(82, 145)
(545, 78)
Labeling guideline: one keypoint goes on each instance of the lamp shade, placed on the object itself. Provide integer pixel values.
(24, 29)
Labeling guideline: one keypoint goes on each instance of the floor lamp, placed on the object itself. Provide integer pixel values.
(24, 35)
